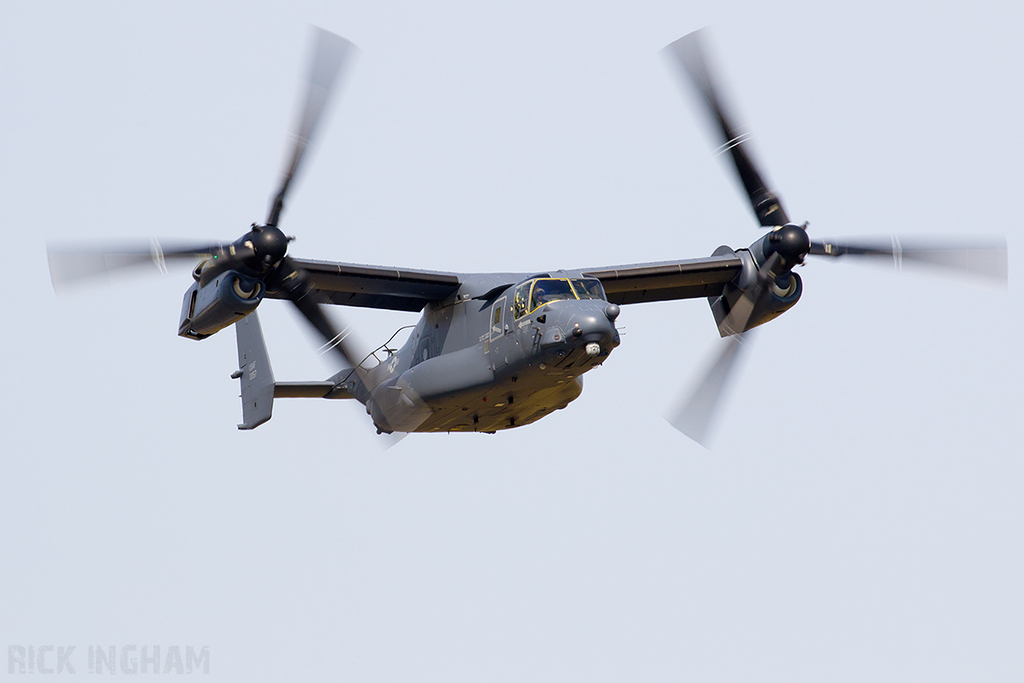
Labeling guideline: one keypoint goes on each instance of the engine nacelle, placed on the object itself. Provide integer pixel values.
(782, 294)
(225, 300)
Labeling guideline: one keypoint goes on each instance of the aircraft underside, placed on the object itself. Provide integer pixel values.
(520, 396)
(503, 406)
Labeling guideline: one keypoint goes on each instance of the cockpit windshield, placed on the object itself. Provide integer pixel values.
(548, 290)
(532, 294)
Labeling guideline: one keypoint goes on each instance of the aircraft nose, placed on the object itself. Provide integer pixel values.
(596, 330)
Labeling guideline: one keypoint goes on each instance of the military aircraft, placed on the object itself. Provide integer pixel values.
(493, 351)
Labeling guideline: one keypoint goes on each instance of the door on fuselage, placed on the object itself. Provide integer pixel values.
(498, 319)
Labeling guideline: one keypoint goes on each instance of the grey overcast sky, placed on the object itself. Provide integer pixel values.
(859, 517)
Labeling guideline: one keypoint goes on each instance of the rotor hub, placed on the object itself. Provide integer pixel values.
(269, 244)
(791, 243)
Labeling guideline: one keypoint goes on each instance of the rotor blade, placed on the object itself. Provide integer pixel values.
(689, 58)
(330, 55)
(982, 259)
(295, 282)
(71, 264)
(696, 414)
(739, 316)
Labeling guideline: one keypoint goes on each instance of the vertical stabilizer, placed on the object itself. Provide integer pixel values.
(255, 372)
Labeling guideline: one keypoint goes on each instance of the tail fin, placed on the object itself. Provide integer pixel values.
(255, 372)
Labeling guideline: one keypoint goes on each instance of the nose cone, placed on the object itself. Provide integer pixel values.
(593, 328)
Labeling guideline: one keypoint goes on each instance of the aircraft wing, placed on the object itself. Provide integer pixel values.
(398, 289)
(666, 280)
(402, 289)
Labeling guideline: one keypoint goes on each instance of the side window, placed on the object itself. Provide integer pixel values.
(588, 288)
(522, 298)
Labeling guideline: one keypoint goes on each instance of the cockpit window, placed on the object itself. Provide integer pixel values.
(588, 288)
(532, 294)
(548, 290)
(521, 301)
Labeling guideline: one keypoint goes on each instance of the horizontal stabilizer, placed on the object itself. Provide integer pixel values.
(258, 386)
(325, 389)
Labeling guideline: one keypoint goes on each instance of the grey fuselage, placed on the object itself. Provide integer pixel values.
(475, 362)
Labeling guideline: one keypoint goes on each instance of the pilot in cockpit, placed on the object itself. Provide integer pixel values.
(540, 294)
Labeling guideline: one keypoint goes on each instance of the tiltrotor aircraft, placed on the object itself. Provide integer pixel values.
(492, 351)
